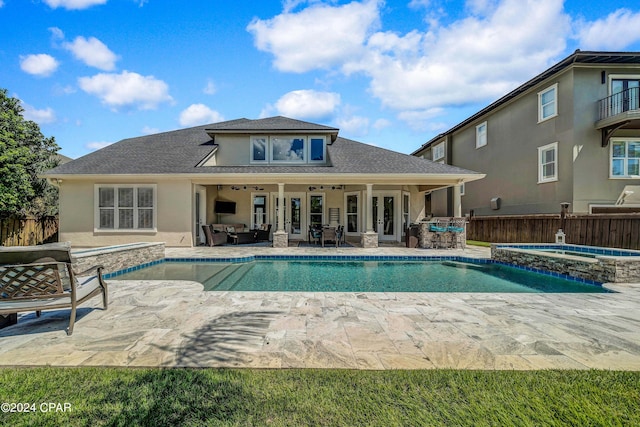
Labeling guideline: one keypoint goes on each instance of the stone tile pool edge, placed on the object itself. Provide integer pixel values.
(429, 258)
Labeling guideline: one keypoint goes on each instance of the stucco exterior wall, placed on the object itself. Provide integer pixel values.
(174, 215)
(592, 184)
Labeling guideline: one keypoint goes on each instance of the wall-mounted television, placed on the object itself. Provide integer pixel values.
(224, 207)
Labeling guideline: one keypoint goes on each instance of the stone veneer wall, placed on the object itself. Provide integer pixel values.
(426, 237)
(604, 269)
(115, 258)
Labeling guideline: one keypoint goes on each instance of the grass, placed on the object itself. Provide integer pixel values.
(479, 243)
(300, 397)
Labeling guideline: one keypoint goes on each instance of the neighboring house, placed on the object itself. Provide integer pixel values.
(571, 134)
(164, 187)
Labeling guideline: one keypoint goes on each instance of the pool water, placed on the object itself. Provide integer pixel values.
(359, 276)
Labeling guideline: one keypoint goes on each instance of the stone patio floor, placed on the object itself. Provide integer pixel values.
(176, 324)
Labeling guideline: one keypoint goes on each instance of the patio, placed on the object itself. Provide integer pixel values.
(175, 323)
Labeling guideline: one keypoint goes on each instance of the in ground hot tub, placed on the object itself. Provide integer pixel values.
(602, 265)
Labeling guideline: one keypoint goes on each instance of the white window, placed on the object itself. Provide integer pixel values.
(481, 135)
(548, 103)
(548, 163)
(125, 207)
(437, 153)
(316, 209)
(462, 189)
(259, 149)
(288, 149)
(352, 209)
(625, 158)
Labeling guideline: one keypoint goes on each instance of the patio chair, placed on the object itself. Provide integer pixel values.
(214, 237)
(329, 234)
(263, 232)
(36, 278)
(315, 234)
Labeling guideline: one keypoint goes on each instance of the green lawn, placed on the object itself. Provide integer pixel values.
(300, 397)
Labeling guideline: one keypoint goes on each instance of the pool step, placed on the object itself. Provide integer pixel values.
(236, 277)
(213, 282)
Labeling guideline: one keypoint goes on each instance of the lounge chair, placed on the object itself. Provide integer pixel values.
(36, 278)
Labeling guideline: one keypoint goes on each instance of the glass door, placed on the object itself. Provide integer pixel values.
(294, 222)
(385, 216)
(626, 95)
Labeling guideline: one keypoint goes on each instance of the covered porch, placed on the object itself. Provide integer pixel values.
(371, 210)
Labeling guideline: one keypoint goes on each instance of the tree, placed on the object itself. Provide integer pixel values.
(24, 153)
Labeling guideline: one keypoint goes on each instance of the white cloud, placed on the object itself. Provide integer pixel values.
(199, 114)
(317, 37)
(210, 88)
(615, 32)
(39, 65)
(93, 146)
(56, 33)
(308, 104)
(92, 52)
(73, 4)
(148, 130)
(127, 89)
(41, 117)
(473, 60)
(477, 58)
(354, 126)
(1, 3)
(381, 124)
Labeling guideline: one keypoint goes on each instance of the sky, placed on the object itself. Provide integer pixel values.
(390, 73)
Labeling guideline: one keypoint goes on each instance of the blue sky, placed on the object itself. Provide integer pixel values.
(389, 73)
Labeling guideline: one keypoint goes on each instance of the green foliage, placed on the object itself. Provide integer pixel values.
(24, 153)
(301, 397)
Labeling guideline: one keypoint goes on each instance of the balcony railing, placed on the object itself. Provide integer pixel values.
(627, 100)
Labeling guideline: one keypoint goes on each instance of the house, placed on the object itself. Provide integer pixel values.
(570, 134)
(163, 187)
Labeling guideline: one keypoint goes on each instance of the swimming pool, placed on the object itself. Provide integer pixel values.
(334, 275)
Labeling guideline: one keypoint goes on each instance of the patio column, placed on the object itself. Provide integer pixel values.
(280, 236)
(457, 201)
(369, 219)
(369, 239)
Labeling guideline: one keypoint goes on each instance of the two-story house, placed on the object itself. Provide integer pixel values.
(164, 187)
(570, 134)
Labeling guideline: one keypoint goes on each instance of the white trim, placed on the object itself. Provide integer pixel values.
(266, 149)
(358, 213)
(324, 207)
(613, 77)
(255, 194)
(481, 136)
(324, 149)
(555, 103)
(626, 158)
(116, 229)
(541, 178)
(436, 150)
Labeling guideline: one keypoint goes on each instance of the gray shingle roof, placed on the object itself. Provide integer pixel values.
(180, 151)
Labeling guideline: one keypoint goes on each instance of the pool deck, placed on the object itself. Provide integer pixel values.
(176, 323)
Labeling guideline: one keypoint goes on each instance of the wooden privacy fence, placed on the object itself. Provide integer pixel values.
(28, 231)
(607, 230)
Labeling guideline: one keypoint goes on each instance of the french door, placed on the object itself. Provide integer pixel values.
(626, 94)
(385, 216)
(294, 220)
